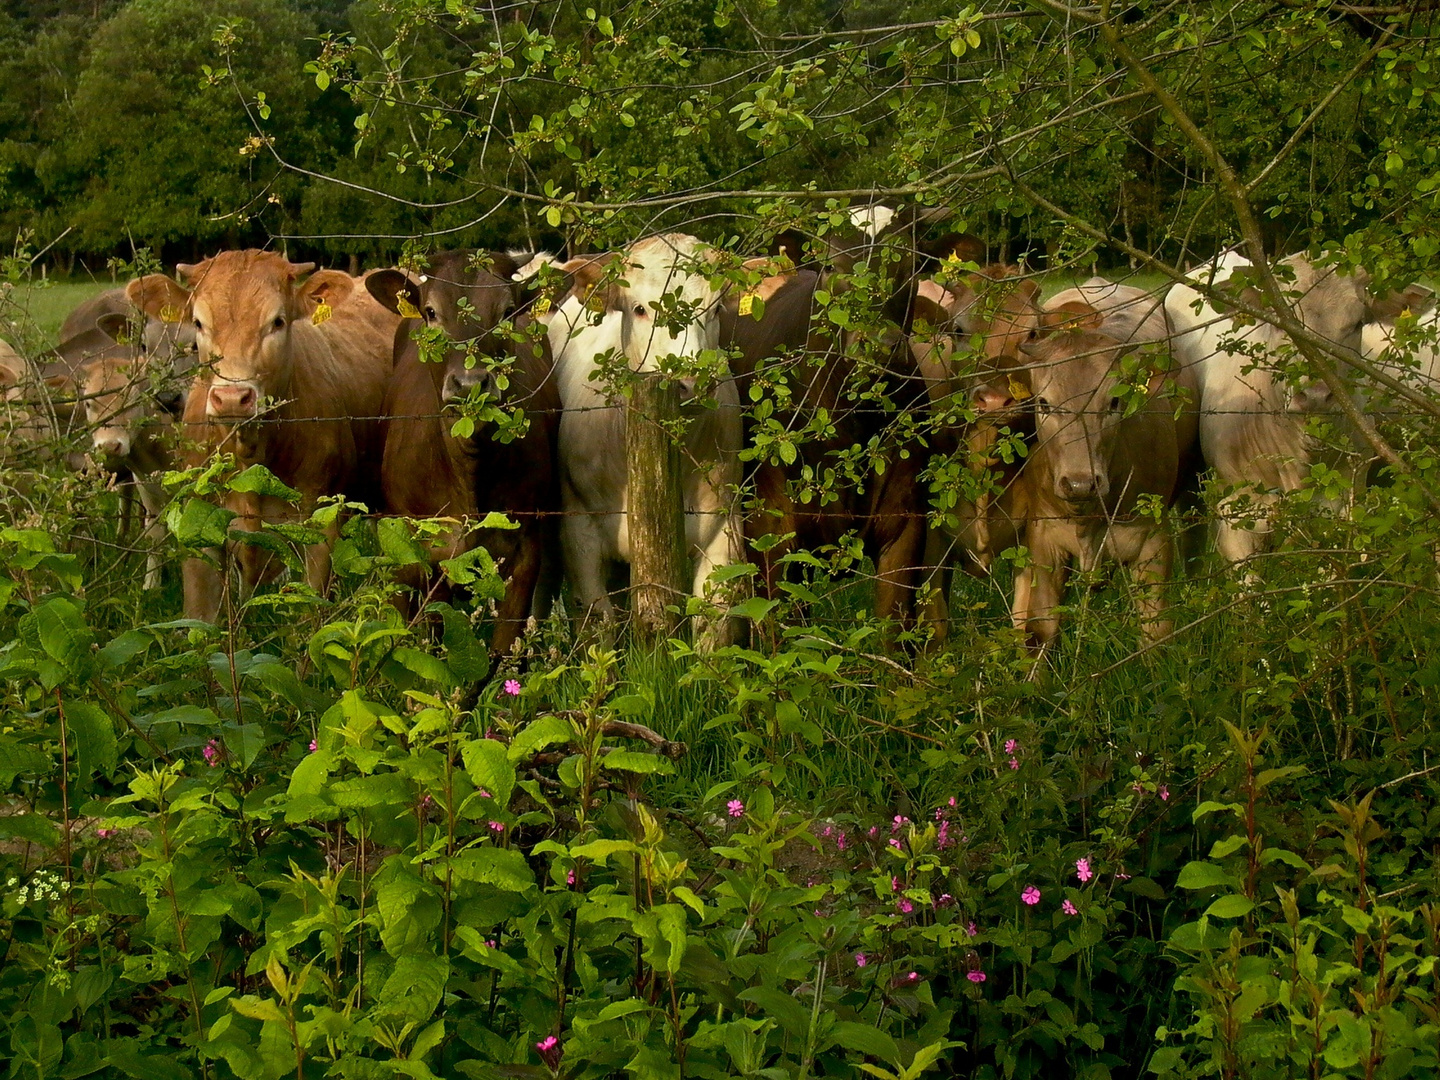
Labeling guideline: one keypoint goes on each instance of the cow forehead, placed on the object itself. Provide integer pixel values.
(242, 284)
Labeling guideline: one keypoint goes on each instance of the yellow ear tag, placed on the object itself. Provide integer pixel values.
(170, 314)
(1018, 391)
(406, 309)
(542, 305)
(322, 313)
(595, 303)
(747, 303)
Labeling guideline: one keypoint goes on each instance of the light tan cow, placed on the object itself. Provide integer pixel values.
(131, 434)
(276, 389)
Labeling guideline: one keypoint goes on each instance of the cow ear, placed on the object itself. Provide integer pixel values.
(1416, 299)
(928, 311)
(298, 270)
(394, 290)
(159, 296)
(116, 326)
(1073, 315)
(588, 277)
(332, 287)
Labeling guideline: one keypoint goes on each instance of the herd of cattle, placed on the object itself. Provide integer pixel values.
(1120, 397)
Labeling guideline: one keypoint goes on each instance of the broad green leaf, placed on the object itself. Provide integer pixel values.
(64, 635)
(866, 1039)
(489, 768)
(1202, 875)
(94, 737)
(1231, 907)
(539, 733)
(258, 480)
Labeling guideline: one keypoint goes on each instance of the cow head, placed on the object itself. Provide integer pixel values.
(1081, 393)
(116, 397)
(466, 295)
(663, 292)
(243, 306)
(168, 335)
(997, 312)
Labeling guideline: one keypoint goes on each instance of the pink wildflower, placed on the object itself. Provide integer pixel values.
(942, 837)
(900, 820)
(212, 753)
(861, 959)
(1164, 793)
(840, 841)
(570, 877)
(735, 808)
(1122, 875)
(314, 746)
(905, 905)
(944, 900)
(1083, 871)
(1014, 763)
(512, 687)
(825, 833)
(910, 978)
(893, 842)
(550, 1051)
(1031, 895)
(1010, 745)
(103, 833)
(976, 976)
(490, 943)
(485, 794)
(894, 883)
(874, 831)
(952, 801)
(496, 827)
(1067, 907)
(971, 929)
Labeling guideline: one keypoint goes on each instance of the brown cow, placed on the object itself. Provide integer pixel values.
(883, 503)
(257, 345)
(1104, 466)
(428, 471)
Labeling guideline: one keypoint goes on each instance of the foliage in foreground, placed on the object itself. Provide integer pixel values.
(285, 848)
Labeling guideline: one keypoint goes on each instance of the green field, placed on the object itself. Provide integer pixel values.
(33, 313)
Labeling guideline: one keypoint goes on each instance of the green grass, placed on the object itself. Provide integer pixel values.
(31, 315)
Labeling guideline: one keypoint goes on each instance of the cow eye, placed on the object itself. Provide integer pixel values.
(640, 312)
(1115, 403)
(279, 323)
(429, 313)
(198, 328)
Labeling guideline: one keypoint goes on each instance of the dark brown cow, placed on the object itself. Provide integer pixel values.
(849, 375)
(257, 345)
(427, 471)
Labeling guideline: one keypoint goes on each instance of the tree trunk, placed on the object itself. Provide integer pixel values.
(354, 265)
(656, 506)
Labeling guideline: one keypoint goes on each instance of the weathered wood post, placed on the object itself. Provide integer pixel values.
(656, 505)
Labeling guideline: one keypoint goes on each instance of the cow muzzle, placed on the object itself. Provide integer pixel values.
(458, 384)
(112, 442)
(232, 400)
(1079, 488)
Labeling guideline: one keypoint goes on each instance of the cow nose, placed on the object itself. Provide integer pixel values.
(1077, 486)
(458, 384)
(112, 445)
(232, 400)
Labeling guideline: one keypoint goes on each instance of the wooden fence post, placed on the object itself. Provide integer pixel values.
(656, 506)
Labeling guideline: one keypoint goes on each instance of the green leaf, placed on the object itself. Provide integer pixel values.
(866, 1039)
(423, 664)
(196, 523)
(781, 1007)
(413, 991)
(21, 759)
(1201, 875)
(94, 735)
(541, 732)
(1231, 907)
(489, 768)
(258, 480)
(501, 867)
(466, 654)
(64, 636)
(637, 762)
(29, 827)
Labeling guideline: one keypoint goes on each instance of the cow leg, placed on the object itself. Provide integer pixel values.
(1040, 594)
(898, 569)
(519, 593)
(1236, 544)
(936, 584)
(204, 584)
(580, 538)
(317, 560)
(1152, 574)
(152, 498)
(713, 548)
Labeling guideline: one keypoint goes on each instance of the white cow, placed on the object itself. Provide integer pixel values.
(1129, 313)
(1416, 360)
(620, 318)
(1253, 419)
